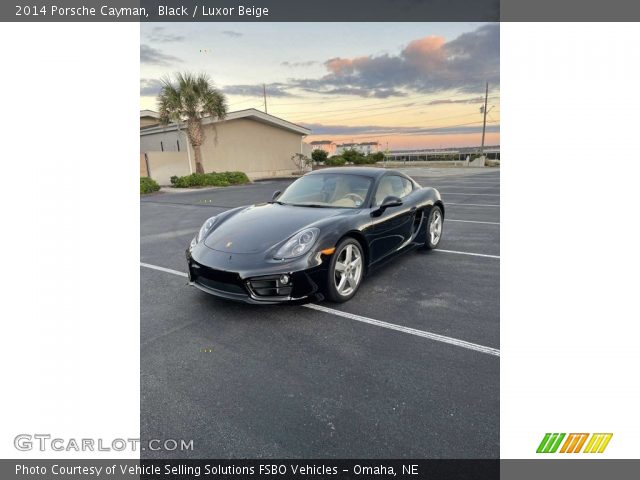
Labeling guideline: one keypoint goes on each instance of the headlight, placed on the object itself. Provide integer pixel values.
(299, 244)
(205, 228)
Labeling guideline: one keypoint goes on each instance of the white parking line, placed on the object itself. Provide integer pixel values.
(467, 253)
(473, 204)
(391, 326)
(162, 269)
(411, 331)
(471, 221)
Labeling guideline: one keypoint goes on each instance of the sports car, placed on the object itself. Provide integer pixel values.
(317, 239)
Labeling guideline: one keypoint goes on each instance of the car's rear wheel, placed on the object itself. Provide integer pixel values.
(435, 226)
(346, 270)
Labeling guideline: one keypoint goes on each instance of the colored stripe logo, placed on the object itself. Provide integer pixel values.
(573, 443)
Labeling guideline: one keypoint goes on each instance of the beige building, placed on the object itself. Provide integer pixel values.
(249, 141)
(148, 118)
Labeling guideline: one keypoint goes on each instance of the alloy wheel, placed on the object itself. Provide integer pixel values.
(435, 227)
(348, 270)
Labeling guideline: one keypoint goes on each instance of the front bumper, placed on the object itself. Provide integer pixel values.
(302, 286)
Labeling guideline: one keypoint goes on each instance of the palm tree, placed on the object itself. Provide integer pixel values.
(188, 99)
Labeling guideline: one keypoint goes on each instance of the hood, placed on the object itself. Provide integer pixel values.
(257, 228)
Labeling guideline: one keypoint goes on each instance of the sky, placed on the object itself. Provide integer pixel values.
(405, 85)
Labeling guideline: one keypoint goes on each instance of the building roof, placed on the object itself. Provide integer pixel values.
(250, 113)
(321, 142)
(149, 113)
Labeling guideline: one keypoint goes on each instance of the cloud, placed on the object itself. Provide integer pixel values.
(308, 63)
(463, 100)
(357, 91)
(322, 129)
(425, 65)
(153, 56)
(150, 87)
(160, 35)
(231, 33)
(273, 90)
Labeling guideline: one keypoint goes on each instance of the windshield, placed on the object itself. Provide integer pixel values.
(328, 190)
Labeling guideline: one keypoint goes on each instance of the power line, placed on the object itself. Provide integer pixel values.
(359, 99)
(484, 124)
(396, 109)
(358, 117)
(408, 103)
(264, 93)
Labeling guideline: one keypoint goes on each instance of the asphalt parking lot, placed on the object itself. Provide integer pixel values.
(409, 368)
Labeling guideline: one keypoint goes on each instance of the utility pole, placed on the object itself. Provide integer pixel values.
(264, 92)
(484, 123)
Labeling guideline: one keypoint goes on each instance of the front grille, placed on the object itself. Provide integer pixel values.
(270, 287)
(222, 286)
(216, 279)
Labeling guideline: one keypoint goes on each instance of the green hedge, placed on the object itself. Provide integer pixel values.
(148, 185)
(319, 156)
(375, 157)
(213, 179)
(335, 161)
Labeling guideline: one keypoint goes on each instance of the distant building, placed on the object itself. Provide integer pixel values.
(326, 145)
(365, 148)
(369, 147)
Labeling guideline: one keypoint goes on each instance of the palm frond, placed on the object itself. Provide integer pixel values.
(190, 97)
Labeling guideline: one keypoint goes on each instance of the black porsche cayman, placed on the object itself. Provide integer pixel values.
(318, 238)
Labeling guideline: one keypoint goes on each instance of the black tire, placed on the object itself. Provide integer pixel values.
(429, 243)
(333, 293)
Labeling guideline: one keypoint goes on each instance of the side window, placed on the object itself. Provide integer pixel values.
(392, 185)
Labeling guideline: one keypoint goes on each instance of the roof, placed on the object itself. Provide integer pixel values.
(149, 113)
(366, 171)
(250, 113)
(321, 142)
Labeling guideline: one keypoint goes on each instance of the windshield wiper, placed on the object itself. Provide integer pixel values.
(311, 205)
(278, 202)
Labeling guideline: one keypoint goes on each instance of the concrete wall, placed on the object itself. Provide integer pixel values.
(306, 150)
(148, 121)
(258, 149)
(244, 145)
(167, 142)
(143, 166)
(164, 165)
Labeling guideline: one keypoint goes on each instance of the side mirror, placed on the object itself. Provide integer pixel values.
(275, 195)
(390, 201)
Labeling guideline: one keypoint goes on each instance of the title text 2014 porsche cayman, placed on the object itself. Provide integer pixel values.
(317, 239)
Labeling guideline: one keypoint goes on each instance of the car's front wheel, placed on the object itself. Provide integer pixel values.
(346, 271)
(435, 225)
